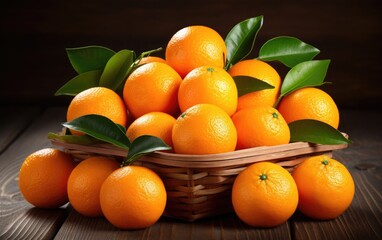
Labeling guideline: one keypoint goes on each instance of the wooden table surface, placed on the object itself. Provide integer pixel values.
(23, 130)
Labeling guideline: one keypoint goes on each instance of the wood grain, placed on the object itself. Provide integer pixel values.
(225, 227)
(13, 121)
(18, 219)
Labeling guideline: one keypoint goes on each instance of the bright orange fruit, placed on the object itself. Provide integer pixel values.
(208, 85)
(325, 186)
(133, 197)
(43, 177)
(264, 195)
(262, 71)
(153, 87)
(310, 103)
(193, 47)
(98, 100)
(204, 129)
(156, 124)
(260, 126)
(85, 181)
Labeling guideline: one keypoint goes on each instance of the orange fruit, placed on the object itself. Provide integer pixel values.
(260, 126)
(208, 85)
(310, 103)
(195, 46)
(133, 197)
(150, 59)
(98, 100)
(43, 177)
(84, 184)
(325, 186)
(262, 71)
(156, 124)
(264, 195)
(204, 129)
(153, 87)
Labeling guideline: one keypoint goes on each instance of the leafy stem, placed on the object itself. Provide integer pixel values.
(146, 54)
(240, 40)
(143, 145)
(100, 66)
(97, 127)
(313, 131)
(277, 102)
(306, 74)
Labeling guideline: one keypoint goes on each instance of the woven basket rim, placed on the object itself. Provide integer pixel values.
(234, 158)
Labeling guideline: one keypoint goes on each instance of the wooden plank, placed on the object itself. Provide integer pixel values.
(225, 227)
(13, 121)
(19, 219)
(363, 219)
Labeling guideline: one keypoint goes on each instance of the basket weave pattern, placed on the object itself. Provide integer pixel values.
(199, 186)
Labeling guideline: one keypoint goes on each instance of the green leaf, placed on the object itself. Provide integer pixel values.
(306, 74)
(313, 131)
(288, 50)
(80, 83)
(143, 145)
(116, 69)
(83, 140)
(101, 128)
(241, 38)
(89, 58)
(247, 84)
(122, 128)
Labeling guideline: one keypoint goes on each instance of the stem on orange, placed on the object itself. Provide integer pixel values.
(263, 176)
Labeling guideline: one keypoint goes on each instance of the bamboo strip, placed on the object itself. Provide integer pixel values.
(241, 160)
(202, 161)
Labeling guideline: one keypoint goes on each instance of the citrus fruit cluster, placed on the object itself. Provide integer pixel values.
(130, 197)
(266, 195)
(193, 98)
(204, 97)
(134, 197)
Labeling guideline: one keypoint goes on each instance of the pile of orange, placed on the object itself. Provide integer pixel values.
(164, 97)
(191, 102)
(130, 197)
(266, 195)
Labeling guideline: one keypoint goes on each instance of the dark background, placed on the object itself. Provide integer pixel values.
(34, 35)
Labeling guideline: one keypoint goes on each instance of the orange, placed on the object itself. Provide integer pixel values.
(325, 186)
(156, 124)
(204, 129)
(150, 59)
(98, 100)
(85, 183)
(264, 195)
(310, 103)
(153, 87)
(43, 177)
(260, 126)
(262, 71)
(133, 197)
(195, 46)
(208, 85)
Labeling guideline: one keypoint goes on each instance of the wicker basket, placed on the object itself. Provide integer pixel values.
(199, 186)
